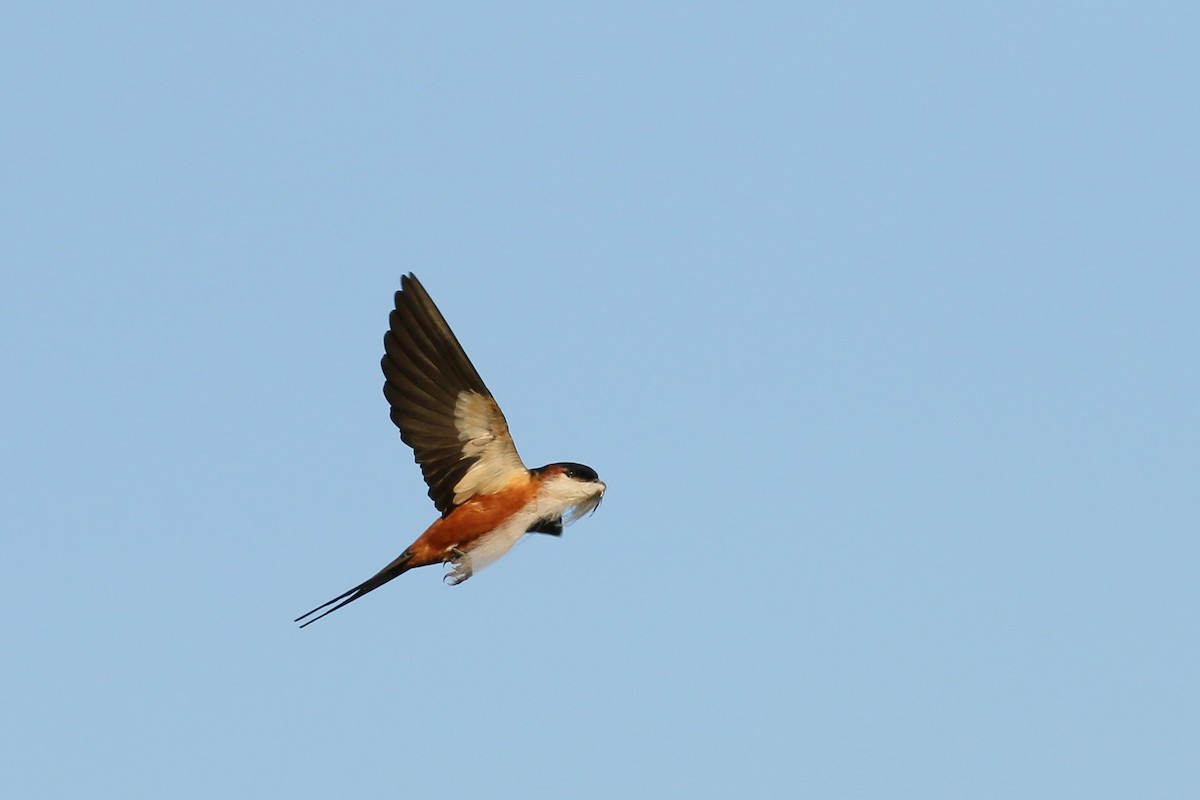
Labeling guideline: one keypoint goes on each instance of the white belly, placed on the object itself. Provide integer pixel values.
(491, 547)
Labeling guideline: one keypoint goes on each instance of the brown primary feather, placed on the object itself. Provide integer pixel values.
(426, 372)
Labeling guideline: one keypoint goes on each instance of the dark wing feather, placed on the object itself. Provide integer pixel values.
(426, 375)
(554, 526)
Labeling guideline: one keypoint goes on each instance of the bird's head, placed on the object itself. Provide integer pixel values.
(572, 489)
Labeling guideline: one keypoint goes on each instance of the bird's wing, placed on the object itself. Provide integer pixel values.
(441, 406)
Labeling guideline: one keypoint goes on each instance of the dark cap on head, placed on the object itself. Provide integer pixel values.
(580, 472)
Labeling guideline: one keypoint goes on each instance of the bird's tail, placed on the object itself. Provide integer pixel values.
(392, 570)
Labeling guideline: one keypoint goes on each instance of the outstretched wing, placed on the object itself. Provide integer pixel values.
(441, 406)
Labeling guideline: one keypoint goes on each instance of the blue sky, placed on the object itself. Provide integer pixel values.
(879, 320)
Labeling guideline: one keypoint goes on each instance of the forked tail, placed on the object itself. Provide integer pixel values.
(392, 570)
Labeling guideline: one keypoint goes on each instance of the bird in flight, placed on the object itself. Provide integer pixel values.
(487, 497)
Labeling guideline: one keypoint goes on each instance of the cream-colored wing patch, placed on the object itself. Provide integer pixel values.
(484, 436)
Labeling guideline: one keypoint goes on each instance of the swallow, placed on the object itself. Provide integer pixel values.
(487, 497)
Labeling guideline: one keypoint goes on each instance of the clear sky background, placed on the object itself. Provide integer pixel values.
(880, 320)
